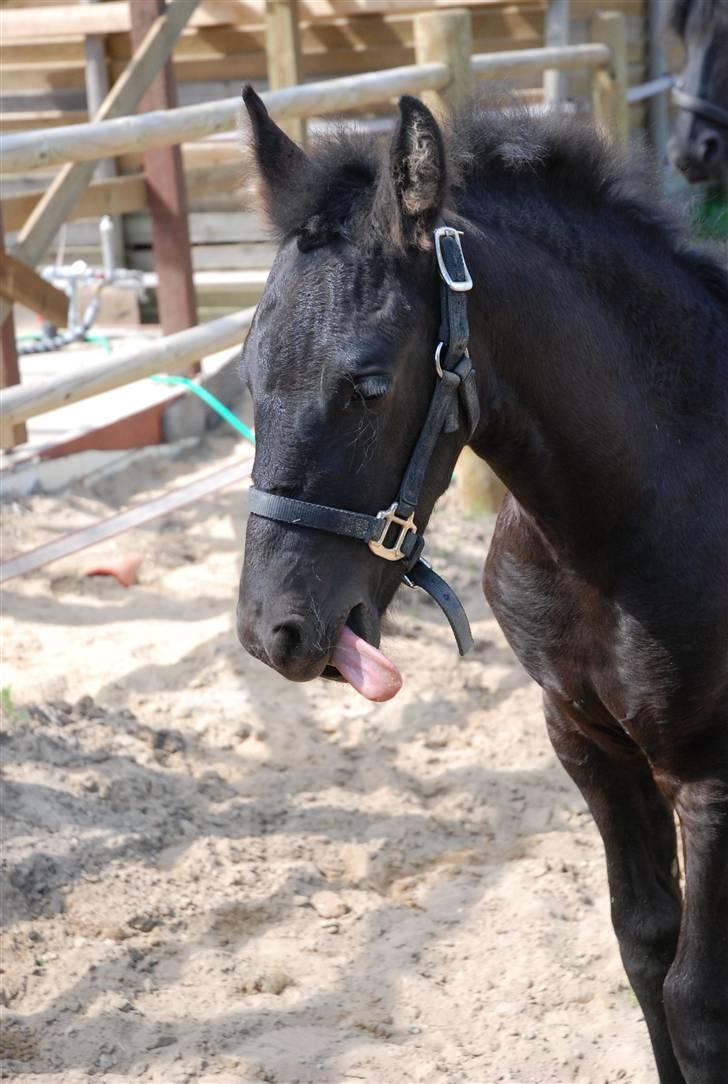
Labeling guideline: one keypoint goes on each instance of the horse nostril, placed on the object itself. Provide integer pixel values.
(288, 634)
(710, 148)
(287, 639)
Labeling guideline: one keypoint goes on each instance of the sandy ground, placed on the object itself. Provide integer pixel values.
(212, 876)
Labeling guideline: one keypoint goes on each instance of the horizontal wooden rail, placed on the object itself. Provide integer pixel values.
(561, 57)
(88, 142)
(124, 195)
(167, 355)
(119, 522)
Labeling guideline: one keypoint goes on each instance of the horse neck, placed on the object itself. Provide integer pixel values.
(573, 417)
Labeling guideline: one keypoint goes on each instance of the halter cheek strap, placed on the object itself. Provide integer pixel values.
(392, 534)
(700, 106)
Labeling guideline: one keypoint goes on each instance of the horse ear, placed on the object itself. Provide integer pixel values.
(418, 171)
(283, 166)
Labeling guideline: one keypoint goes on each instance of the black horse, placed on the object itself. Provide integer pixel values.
(599, 346)
(699, 147)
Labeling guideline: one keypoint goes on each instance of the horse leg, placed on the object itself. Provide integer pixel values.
(637, 828)
(696, 990)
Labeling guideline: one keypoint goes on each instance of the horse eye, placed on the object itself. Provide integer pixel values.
(371, 387)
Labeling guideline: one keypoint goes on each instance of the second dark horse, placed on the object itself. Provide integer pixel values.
(600, 345)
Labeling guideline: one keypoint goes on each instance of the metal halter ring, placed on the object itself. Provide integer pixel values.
(438, 364)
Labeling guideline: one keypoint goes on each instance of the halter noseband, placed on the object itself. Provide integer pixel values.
(699, 106)
(392, 534)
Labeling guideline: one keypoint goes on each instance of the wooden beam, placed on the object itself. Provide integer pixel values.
(166, 197)
(20, 283)
(445, 37)
(283, 55)
(37, 235)
(556, 32)
(83, 142)
(611, 83)
(11, 433)
(64, 20)
(112, 17)
(124, 195)
(97, 89)
(171, 354)
(563, 57)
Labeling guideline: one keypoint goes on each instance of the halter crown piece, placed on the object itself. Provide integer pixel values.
(392, 534)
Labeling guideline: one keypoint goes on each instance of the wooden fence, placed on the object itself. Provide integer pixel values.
(443, 74)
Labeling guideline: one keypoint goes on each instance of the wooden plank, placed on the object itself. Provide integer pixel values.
(283, 55)
(99, 531)
(557, 31)
(39, 51)
(20, 283)
(41, 118)
(97, 88)
(507, 26)
(37, 235)
(123, 195)
(10, 434)
(234, 257)
(166, 197)
(445, 37)
(137, 430)
(611, 111)
(171, 354)
(83, 142)
(47, 75)
(321, 61)
(230, 227)
(112, 17)
(595, 55)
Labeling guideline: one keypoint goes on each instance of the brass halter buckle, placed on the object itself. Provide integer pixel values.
(388, 518)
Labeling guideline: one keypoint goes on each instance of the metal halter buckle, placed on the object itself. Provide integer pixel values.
(379, 546)
(458, 285)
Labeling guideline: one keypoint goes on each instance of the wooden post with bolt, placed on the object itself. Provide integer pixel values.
(446, 37)
(10, 434)
(610, 83)
(166, 194)
(283, 55)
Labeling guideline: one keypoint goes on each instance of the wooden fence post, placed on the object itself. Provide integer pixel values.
(10, 435)
(97, 88)
(283, 55)
(165, 184)
(610, 84)
(445, 37)
(557, 29)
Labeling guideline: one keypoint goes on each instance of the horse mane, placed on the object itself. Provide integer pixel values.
(510, 156)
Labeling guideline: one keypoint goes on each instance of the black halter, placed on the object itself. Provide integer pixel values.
(699, 106)
(392, 534)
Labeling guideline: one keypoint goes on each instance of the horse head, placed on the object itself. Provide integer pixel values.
(699, 146)
(339, 363)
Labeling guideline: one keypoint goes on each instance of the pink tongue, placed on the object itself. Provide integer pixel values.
(368, 670)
